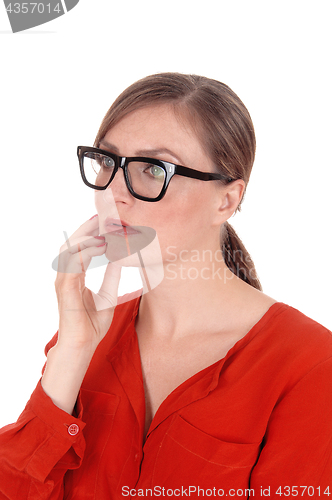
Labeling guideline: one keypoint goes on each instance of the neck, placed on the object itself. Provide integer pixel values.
(190, 292)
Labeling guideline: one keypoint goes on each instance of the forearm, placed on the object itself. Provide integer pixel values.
(63, 375)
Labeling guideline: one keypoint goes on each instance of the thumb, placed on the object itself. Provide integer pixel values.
(108, 294)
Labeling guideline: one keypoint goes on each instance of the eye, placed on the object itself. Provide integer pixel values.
(155, 171)
(107, 162)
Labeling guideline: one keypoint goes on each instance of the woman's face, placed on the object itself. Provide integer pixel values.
(185, 219)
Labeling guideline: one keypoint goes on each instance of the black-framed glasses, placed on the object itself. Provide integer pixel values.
(146, 178)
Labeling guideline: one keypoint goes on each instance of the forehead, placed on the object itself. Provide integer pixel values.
(157, 128)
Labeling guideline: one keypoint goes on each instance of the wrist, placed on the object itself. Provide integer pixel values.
(64, 352)
(64, 374)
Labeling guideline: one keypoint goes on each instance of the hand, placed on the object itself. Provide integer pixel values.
(85, 317)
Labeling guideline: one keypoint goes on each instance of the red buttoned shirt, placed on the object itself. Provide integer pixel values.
(258, 419)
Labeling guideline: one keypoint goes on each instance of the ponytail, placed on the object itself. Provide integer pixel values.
(237, 258)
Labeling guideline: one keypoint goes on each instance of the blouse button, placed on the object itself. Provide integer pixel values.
(136, 457)
(73, 429)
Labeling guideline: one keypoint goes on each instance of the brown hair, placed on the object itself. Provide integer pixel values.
(222, 124)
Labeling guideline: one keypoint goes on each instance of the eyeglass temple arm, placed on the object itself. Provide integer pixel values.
(203, 176)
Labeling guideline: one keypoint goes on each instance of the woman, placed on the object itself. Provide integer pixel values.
(204, 386)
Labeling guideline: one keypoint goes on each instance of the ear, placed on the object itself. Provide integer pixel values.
(230, 197)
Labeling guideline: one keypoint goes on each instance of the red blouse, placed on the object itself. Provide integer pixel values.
(258, 419)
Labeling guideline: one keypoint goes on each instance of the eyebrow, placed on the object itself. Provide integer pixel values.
(142, 152)
(107, 145)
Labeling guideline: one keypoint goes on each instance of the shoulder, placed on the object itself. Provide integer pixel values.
(292, 338)
(283, 328)
(296, 326)
(284, 347)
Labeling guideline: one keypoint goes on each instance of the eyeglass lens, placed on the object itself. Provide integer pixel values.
(146, 179)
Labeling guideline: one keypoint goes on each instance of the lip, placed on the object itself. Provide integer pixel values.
(119, 226)
(109, 221)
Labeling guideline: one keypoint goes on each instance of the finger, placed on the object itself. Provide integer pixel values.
(108, 294)
(79, 244)
(79, 262)
(88, 228)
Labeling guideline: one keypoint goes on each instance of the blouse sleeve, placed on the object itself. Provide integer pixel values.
(296, 457)
(37, 450)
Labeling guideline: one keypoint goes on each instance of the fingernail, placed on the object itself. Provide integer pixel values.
(101, 245)
(94, 217)
(100, 237)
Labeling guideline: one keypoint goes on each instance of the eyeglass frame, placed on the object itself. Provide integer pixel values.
(170, 169)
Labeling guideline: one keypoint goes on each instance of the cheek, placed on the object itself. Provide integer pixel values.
(187, 221)
(98, 201)
(105, 204)
(193, 208)
(178, 224)
(103, 199)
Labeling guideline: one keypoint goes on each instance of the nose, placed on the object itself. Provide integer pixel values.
(117, 190)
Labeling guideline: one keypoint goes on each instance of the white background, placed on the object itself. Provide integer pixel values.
(57, 82)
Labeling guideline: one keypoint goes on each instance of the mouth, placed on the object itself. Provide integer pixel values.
(120, 227)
